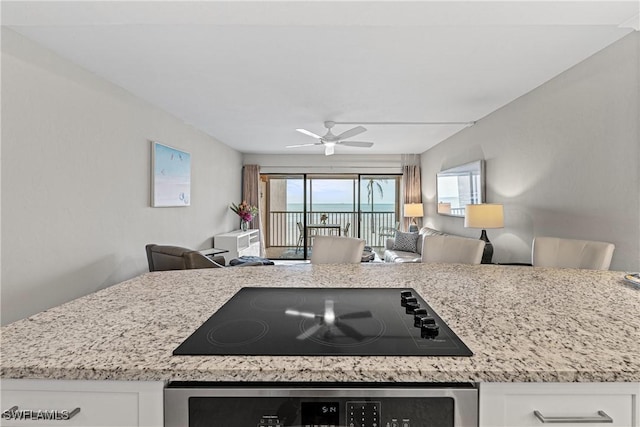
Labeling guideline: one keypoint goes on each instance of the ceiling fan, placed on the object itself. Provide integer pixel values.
(329, 140)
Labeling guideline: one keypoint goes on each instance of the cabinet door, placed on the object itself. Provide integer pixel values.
(568, 404)
(100, 403)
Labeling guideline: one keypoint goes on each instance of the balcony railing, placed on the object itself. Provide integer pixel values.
(282, 229)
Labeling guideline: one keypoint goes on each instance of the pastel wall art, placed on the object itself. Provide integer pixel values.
(171, 176)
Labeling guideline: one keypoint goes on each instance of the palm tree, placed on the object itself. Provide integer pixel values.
(372, 185)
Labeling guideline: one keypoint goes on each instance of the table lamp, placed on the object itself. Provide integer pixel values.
(484, 216)
(413, 211)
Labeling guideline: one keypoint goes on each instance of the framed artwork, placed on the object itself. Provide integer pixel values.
(170, 176)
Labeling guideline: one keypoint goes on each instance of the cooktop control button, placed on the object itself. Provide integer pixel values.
(430, 330)
(411, 306)
(420, 311)
(428, 321)
(418, 315)
(406, 300)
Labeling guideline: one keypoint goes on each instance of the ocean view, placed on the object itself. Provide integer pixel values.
(342, 207)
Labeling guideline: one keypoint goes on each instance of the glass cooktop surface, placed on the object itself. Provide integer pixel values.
(324, 322)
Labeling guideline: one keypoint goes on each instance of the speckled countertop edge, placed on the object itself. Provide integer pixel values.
(523, 324)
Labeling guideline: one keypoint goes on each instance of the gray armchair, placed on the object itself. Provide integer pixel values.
(163, 258)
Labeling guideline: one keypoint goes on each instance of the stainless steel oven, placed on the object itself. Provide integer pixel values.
(195, 404)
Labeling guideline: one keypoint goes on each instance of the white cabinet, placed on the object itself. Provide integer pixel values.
(571, 404)
(100, 403)
(238, 243)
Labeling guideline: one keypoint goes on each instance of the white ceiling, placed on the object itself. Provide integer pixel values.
(250, 73)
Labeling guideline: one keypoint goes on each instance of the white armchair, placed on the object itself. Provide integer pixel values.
(569, 253)
(336, 250)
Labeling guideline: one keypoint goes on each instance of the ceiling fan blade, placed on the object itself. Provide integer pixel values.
(306, 132)
(291, 312)
(349, 331)
(357, 144)
(303, 145)
(351, 132)
(312, 330)
(329, 149)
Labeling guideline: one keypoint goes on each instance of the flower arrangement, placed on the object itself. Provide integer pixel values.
(323, 218)
(244, 211)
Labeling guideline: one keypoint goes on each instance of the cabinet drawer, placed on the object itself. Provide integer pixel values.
(101, 403)
(519, 409)
(565, 404)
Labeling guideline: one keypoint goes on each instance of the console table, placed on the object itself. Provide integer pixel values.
(238, 243)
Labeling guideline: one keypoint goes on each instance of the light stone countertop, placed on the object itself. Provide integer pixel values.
(522, 323)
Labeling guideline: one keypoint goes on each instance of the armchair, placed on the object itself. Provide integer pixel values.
(163, 258)
(570, 253)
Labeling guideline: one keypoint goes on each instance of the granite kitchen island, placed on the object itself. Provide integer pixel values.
(523, 324)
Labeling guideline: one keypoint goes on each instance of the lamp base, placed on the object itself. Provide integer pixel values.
(487, 255)
(413, 228)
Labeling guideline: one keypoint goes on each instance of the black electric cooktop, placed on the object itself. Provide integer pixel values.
(324, 322)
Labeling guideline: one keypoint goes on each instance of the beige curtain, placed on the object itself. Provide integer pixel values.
(251, 193)
(412, 190)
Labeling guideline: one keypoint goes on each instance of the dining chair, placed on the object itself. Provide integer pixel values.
(452, 249)
(570, 253)
(165, 257)
(336, 250)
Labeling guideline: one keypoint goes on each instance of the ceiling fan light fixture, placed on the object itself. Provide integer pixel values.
(329, 140)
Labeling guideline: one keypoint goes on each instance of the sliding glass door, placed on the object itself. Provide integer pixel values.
(300, 207)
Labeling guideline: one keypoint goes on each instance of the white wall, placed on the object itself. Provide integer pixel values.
(76, 209)
(564, 159)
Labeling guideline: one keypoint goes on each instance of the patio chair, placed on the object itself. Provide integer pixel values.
(345, 230)
(300, 236)
(387, 233)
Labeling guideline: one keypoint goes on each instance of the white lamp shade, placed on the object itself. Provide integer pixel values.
(413, 210)
(485, 215)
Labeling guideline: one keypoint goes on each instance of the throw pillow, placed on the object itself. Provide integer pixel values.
(407, 242)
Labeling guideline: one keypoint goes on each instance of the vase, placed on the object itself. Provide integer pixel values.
(244, 225)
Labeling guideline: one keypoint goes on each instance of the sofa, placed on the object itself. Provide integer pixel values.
(406, 247)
